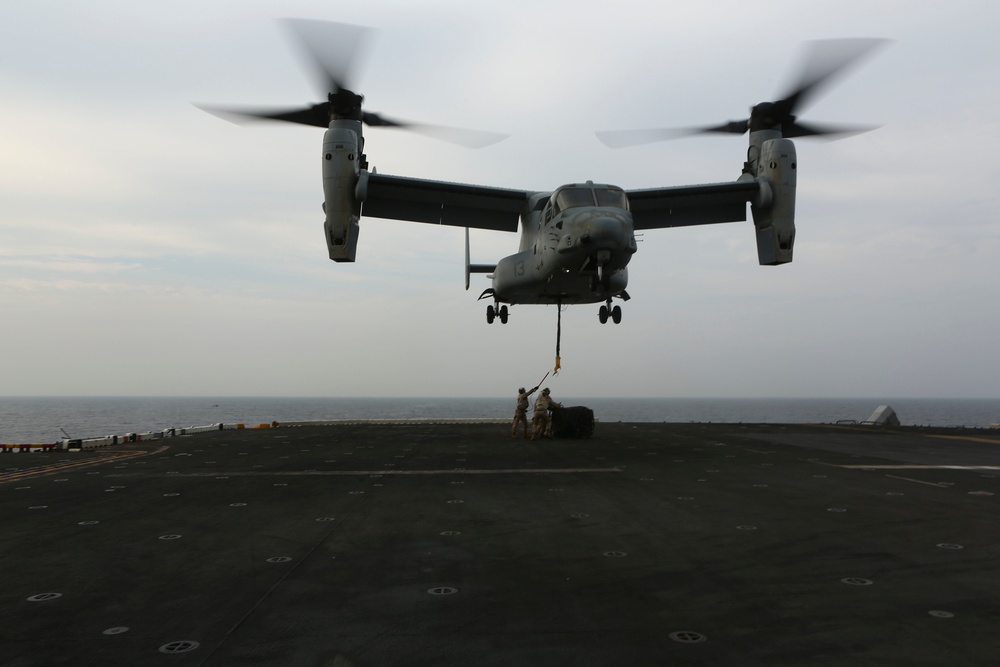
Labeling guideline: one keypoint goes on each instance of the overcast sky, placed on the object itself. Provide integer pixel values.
(149, 248)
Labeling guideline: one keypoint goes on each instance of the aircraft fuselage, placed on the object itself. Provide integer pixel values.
(576, 243)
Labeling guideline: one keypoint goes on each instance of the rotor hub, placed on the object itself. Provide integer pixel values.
(770, 116)
(345, 105)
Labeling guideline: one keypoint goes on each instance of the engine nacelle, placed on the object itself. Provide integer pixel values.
(774, 212)
(343, 145)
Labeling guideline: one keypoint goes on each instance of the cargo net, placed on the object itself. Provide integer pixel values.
(572, 422)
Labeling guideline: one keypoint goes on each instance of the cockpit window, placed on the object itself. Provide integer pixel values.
(577, 197)
(611, 197)
(574, 197)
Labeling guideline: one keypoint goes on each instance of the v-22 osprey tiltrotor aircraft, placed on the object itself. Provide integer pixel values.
(576, 241)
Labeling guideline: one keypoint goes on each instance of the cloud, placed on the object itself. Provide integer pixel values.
(147, 247)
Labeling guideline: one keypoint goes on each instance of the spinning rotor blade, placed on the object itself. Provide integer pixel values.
(330, 51)
(626, 138)
(317, 114)
(458, 135)
(797, 129)
(455, 135)
(823, 62)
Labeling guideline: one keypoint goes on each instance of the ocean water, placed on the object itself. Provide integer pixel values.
(42, 420)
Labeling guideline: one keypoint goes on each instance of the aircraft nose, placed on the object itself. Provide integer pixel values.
(602, 231)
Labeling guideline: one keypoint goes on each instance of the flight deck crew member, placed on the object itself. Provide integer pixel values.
(521, 412)
(541, 424)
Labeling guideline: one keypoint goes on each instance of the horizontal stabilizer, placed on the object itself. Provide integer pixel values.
(482, 268)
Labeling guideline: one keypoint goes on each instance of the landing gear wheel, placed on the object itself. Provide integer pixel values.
(616, 314)
(502, 313)
(490, 314)
(603, 314)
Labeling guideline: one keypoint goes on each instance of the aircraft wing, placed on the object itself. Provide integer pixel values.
(443, 203)
(691, 204)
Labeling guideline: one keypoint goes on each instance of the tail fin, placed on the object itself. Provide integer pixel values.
(474, 268)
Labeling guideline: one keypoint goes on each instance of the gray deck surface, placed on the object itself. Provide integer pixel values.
(422, 544)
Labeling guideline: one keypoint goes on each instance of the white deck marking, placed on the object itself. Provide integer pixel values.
(914, 466)
(386, 473)
(920, 481)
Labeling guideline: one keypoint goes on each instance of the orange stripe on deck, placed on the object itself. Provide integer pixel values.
(63, 466)
(992, 441)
